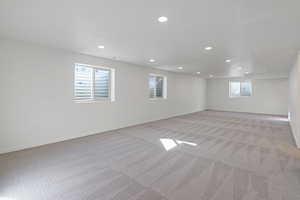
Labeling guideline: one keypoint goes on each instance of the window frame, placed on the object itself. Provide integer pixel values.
(93, 98)
(164, 88)
(240, 81)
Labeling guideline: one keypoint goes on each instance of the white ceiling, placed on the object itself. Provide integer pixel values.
(262, 36)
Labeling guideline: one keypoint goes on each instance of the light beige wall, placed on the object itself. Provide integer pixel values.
(294, 100)
(37, 90)
(270, 96)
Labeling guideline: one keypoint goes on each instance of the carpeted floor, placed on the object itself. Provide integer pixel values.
(202, 156)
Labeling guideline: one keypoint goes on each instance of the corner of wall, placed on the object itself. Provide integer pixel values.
(295, 134)
(294, 100)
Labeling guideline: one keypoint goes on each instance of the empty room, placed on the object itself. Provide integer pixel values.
(149, 100)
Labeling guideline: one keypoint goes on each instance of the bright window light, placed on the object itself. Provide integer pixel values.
(168, 143)
(162, 19)
(185, 142)
(208, 48)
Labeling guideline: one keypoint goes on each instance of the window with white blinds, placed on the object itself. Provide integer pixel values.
(157, 86)
(240, 88)
(91, 83)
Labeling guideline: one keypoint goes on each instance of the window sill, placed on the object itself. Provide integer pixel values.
(92, 100)
(239, 97)
(157, 98)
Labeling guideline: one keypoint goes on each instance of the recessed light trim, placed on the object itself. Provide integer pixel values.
(210, 76)
(208, 48)
(198, 72)
(246, 72)
(151, 60)
(180, 68)
(101, 46)
(162, 19)
(228, 60)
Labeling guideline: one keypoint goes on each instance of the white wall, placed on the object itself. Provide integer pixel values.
(294, 100)
(36, 85)
(270, 96)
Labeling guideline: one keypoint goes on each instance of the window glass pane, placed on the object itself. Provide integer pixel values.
(83, 82)
(152, 86)
(102, 80)
(245, 88)
(234, 89)
(159, 86)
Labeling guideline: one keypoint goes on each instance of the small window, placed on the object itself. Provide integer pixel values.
(92, 83)
(157, 86)
(240, 88)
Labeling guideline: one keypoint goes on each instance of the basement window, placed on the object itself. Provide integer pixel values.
(157, 86)
(240, 89)
(92, 83)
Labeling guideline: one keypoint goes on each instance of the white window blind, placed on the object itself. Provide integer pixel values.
(156, 86)
(240, 88)
(102, 83)
(91, 83)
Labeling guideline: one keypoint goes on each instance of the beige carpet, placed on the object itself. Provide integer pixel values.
(203, 156)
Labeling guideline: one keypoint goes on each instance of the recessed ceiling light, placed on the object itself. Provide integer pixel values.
(101, 47)
(208, 48)
(151, 60)
(240, 68)
(180, 67)
(162, 19)
(246, 72)
(228, 60)
(211, 76)
(198, 72)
